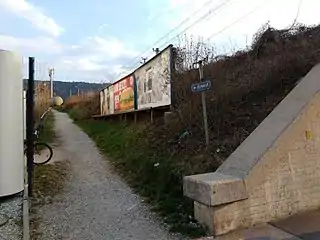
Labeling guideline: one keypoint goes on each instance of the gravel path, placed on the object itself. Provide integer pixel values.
(96, 203)
(11, 217)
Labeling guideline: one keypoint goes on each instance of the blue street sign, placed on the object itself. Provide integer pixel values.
(201, 86)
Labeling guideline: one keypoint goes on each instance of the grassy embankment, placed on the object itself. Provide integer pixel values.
(152, 174)
(247, 85)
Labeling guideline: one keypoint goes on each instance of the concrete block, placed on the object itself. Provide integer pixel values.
(214, 189)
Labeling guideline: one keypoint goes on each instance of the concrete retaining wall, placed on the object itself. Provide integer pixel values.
(273, 174)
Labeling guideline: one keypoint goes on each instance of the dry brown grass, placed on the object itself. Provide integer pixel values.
(246, 88)
(83, 106)
(247, 85)
(42, 99)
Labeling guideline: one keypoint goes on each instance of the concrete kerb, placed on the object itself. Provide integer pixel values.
(228, 183)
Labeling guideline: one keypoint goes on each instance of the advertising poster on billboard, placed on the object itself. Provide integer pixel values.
(124, 94)
(153, 81)
(104, 101)
(101, 102)
(111, 100)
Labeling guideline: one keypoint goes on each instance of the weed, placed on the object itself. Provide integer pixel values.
(47, 133)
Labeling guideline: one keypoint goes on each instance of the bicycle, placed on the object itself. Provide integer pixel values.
(41, 149)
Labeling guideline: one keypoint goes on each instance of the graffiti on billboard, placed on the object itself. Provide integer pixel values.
(124, 94)
(153, 81)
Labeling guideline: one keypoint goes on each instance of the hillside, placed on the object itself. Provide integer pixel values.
(64, 89)
(246, 87)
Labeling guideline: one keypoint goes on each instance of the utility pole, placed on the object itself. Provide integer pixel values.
(78, 90)
(70, 93)
(204, 104)
(51, 75)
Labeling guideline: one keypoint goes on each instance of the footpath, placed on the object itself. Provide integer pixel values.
(96, 203)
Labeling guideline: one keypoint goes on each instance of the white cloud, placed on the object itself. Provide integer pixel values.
(102, 48)
(79, 64)
(33, 14)
(93, 59)
(96, 56)
(31, 46)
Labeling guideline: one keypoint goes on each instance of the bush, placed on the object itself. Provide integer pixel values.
(83, 106)
(246, 87)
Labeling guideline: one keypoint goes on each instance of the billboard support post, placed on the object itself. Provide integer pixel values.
(135, 117)
(151, 115)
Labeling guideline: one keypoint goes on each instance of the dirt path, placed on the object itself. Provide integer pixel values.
(96, 204)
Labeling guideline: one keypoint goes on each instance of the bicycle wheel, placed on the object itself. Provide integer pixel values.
(42, 153)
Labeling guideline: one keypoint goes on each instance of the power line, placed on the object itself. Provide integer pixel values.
(239, 19)
(223, 29)
(162, 14)
(175, 28)
(211, 11)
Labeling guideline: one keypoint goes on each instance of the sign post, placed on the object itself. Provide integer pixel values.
(203, 86)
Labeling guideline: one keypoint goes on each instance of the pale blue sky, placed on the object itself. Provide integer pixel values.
(97, 40)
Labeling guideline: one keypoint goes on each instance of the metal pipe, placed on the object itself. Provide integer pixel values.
(30, 124)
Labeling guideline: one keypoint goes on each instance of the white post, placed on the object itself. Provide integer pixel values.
(51, 75)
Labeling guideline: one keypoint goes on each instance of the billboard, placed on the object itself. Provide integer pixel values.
(124, 94)
(153, 81)
(111, 99)
(103, 106)
(101, 102)
(104, 102)
(107, 101)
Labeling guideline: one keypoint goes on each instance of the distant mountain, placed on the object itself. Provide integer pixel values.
(64, 89)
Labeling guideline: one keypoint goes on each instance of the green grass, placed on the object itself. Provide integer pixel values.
(150, 173)
(47, 133)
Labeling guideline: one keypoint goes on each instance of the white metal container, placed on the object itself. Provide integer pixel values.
(11, 124)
